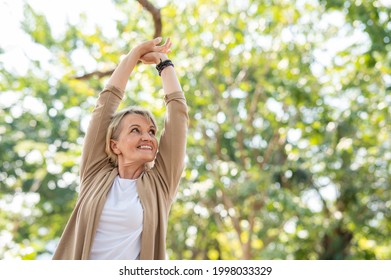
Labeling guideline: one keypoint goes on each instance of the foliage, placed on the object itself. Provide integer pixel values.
(289, 142)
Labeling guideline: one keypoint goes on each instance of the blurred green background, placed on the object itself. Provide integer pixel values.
(289, 146)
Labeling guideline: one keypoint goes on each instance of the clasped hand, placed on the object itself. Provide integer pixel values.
(150, 53)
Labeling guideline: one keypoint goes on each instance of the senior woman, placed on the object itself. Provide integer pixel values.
(128, 180)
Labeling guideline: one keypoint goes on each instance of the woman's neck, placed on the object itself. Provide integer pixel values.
(129, 171)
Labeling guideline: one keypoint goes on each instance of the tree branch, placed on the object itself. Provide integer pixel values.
(155, 12)
(97, 73)
(273, 141)
(157, 20)
(235, 220)
(247, 248)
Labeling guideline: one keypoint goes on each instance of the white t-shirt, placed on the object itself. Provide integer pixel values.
(118, 236)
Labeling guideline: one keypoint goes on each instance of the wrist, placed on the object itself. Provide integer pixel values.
(132, 55)
(163, 64)
(136, 52)
(161, 57)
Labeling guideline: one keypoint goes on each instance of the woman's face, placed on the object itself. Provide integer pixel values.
(137, 143)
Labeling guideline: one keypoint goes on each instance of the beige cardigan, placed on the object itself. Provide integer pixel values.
(157, 188)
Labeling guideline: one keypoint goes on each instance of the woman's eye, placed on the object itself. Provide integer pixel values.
(135, 130)
(152, 132)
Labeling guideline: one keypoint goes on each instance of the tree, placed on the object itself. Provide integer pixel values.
(288, 148)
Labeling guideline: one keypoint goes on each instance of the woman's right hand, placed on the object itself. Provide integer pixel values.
(152, 46)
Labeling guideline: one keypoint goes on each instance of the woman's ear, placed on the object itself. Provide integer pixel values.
(114, 147)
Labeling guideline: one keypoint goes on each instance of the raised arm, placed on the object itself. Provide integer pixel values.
(170, 160)
(94, 157)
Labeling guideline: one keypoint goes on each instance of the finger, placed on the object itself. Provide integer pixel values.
(157, 40)
(162, 48)
(167, 46)
(168, 42)
(163, 44)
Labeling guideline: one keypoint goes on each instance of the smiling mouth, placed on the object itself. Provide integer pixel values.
(144, 147)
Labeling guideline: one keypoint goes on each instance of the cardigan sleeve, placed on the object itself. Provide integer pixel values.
(94, 157)
(170, 160)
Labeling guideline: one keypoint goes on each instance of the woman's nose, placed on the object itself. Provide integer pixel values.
(146, 136)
